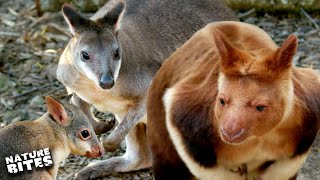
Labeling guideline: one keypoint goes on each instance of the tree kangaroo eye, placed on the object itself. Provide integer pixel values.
(85, 56)
(116, 54)
(260, 108)
(222, 102)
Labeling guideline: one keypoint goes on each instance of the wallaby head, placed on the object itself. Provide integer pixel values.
(255, 93)
(81, 138)
(95, 49)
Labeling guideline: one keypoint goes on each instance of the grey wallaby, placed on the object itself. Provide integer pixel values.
(112, 57)
(34, 149)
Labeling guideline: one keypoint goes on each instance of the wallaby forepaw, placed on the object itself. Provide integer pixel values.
(86, 174)
(103, 126)
(95, 171)
(81, 176)
(108, 144)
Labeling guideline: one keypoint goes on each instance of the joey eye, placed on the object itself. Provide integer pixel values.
(260, 108)
(116, 54)
(85, 56)
(85, 134)
(222, 102)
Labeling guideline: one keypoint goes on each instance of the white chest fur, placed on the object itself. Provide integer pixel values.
(102, 99)
(200, 172)
(252, 157)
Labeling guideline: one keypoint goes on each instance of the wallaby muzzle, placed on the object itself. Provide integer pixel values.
(106, 81)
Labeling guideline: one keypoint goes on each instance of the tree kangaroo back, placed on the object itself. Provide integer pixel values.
(230, 104)
(113, 56)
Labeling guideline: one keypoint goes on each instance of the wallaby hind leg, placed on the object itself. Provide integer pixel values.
(99, 126)
(137, 156)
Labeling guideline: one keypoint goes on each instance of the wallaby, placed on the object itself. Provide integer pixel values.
(34, 149)
(112, 57)
(230, 104)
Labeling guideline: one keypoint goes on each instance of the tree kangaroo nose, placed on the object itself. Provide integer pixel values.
(106, 81)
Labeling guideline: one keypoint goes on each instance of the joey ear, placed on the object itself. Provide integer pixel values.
(57, 110)
(74, 19)
(112, 16)
(231, 56)
(282, 58)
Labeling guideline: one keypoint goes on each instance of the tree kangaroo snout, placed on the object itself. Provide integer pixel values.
(95, 49)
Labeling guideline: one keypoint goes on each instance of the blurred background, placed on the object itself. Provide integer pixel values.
(33, 35)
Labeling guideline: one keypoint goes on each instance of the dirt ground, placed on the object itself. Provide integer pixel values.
(30, 47)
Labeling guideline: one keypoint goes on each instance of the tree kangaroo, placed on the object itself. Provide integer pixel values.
(242, 111)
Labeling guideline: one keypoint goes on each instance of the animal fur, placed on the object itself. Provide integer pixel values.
(229, 104)
(60, 130)
(146, 33)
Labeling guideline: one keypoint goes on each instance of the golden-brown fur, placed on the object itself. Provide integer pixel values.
(230, 105)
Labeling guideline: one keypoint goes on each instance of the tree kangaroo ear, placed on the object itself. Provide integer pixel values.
(282, 58)
(112, 16)
(232, 59)
(74, 19)
(57, 110)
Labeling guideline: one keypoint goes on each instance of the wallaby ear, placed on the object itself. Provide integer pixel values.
(57, 110)
(282, 58)
(231, 56)
(112, 16)
(74, 19)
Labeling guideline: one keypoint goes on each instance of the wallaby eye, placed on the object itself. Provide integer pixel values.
(85, 134)
(260, 108)
(222, 102)
(85, 56)
(116, 54)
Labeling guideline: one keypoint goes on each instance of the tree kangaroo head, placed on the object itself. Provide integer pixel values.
(254, 95)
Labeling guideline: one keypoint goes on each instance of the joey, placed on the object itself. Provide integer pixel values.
(39, 146)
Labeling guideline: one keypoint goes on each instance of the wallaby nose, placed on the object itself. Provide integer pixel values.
(106, 81)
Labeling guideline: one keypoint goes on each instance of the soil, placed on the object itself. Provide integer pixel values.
(30, 47)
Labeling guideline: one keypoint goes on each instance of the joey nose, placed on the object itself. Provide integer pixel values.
(96, 151)
(106, 81)
(101, 151)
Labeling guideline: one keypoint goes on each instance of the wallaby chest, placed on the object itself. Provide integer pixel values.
(103, 100)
